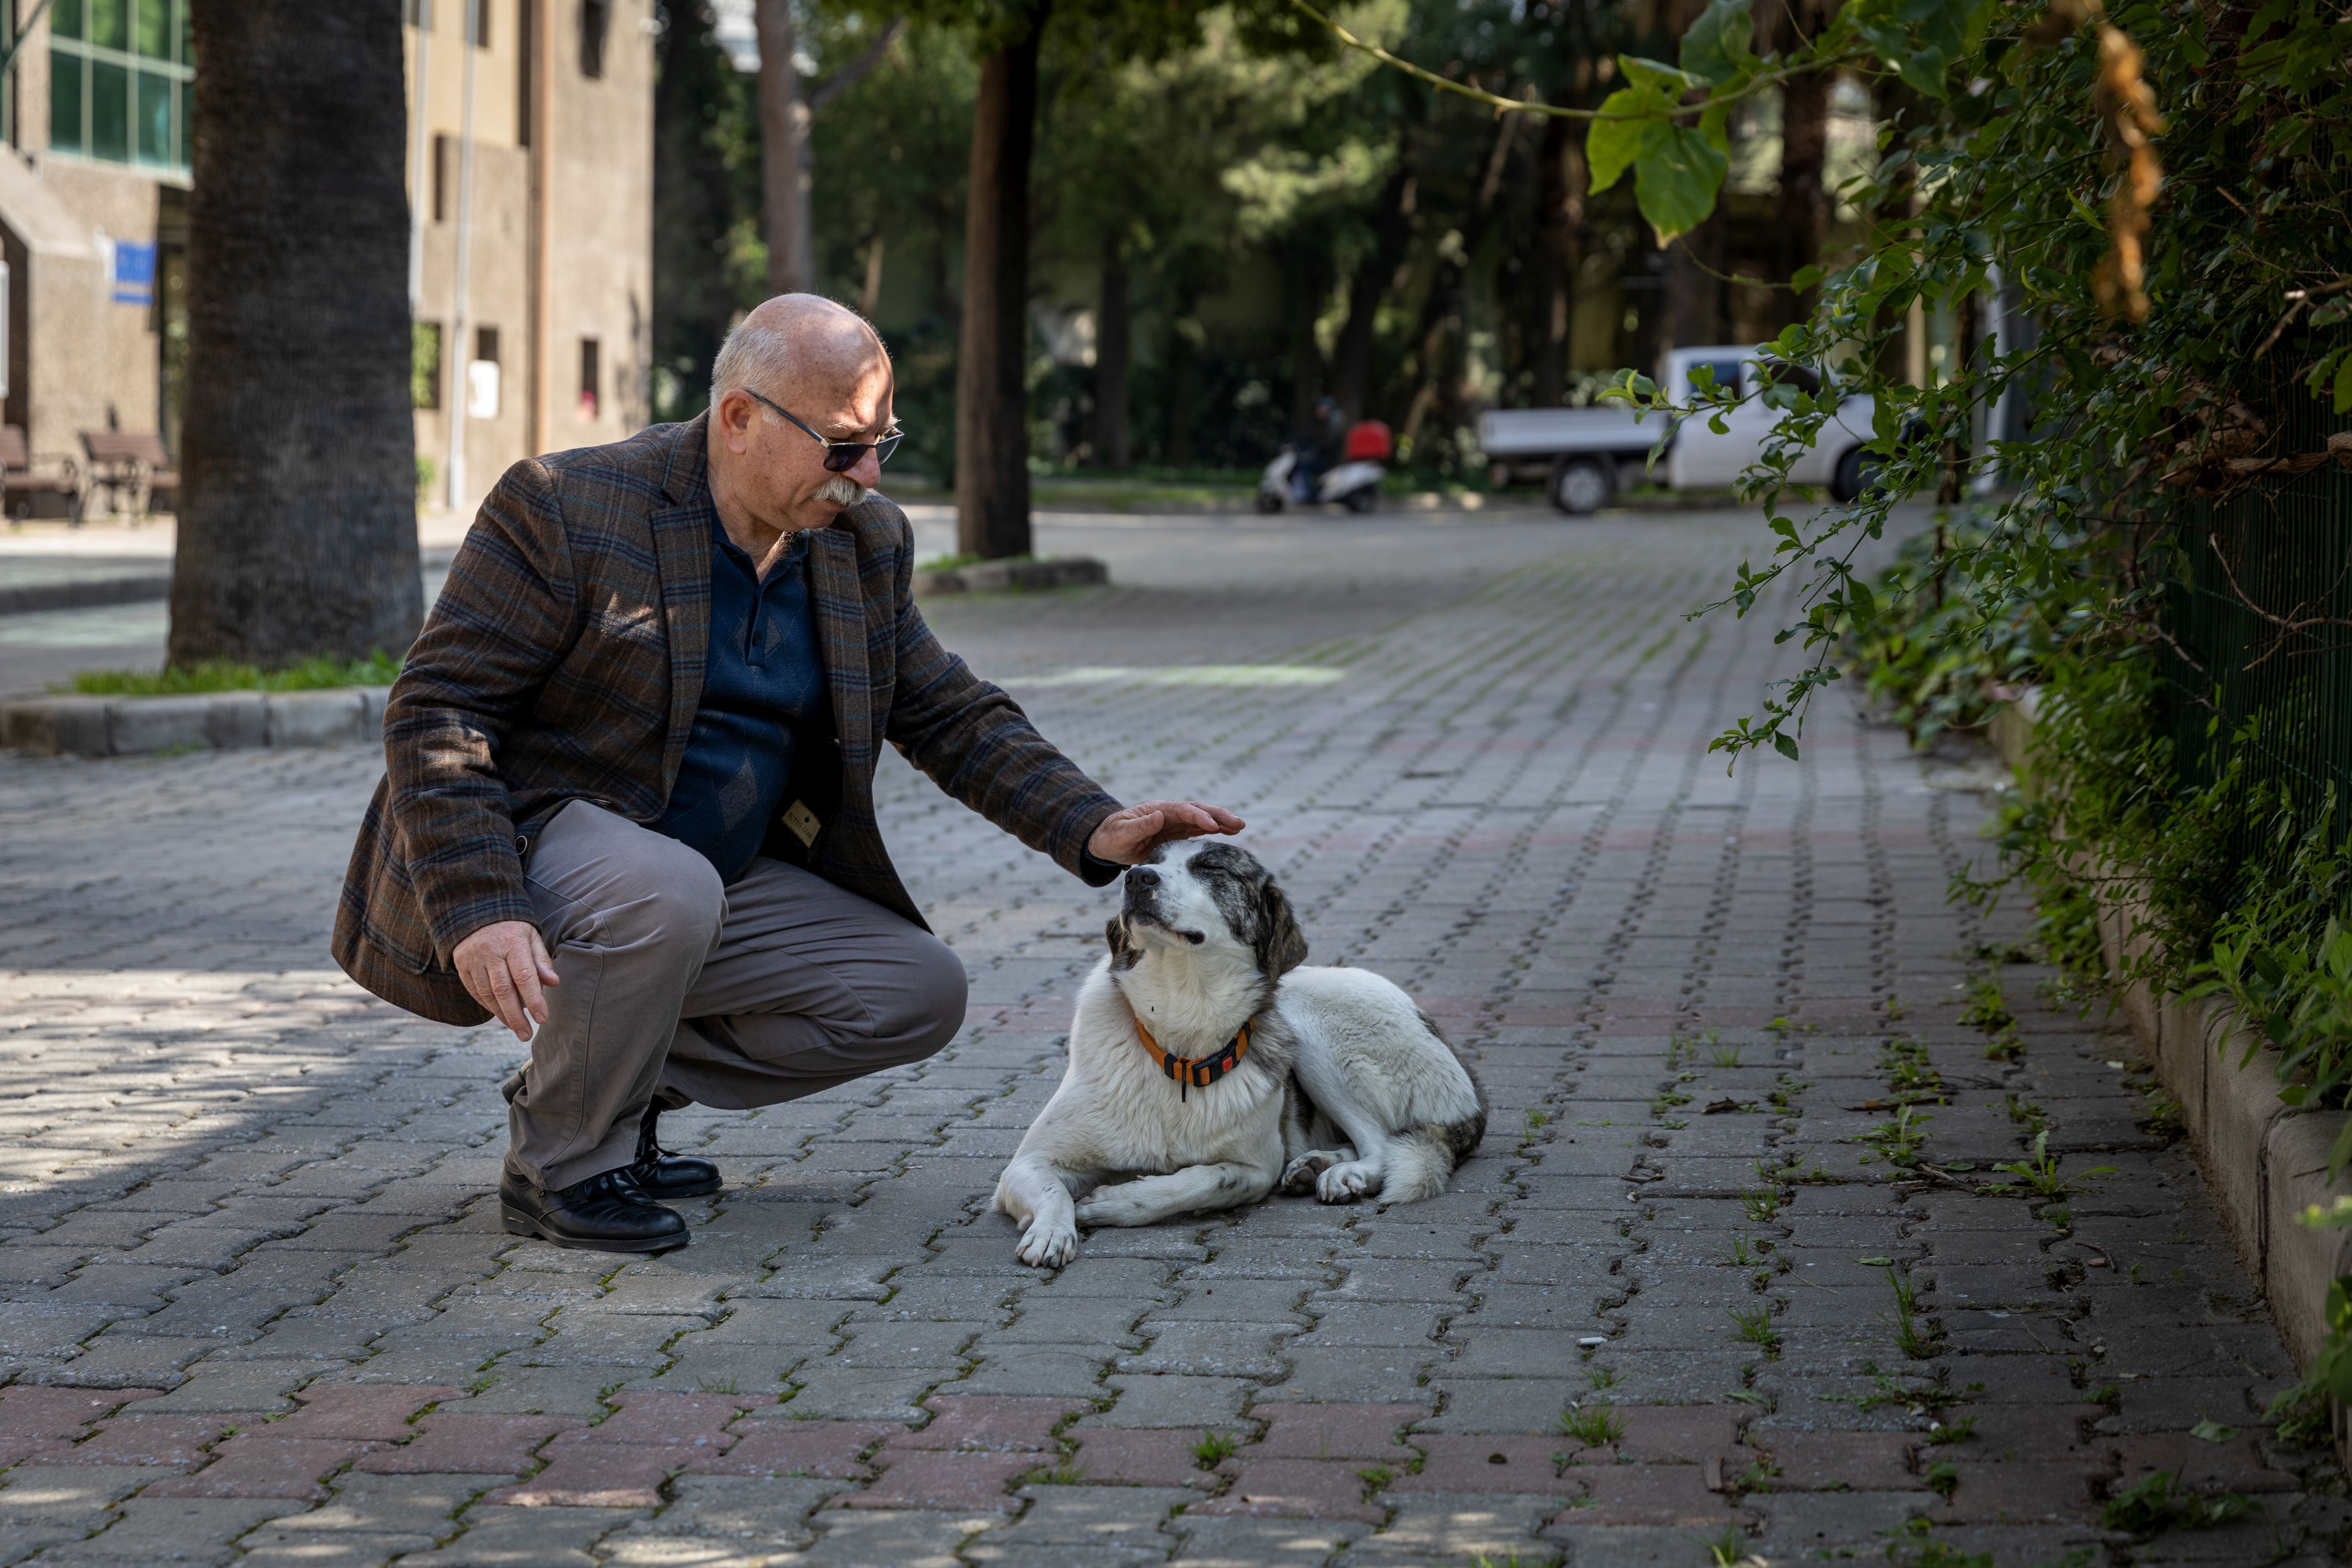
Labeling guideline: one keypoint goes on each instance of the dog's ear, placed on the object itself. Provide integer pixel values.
(1115, 932)
(1281, 945)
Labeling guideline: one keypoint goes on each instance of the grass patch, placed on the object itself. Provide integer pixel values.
(1214, 1449)
(219, 675)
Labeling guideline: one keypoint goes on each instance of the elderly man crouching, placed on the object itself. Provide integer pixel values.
(629, 794)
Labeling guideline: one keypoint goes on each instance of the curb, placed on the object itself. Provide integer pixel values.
(92, 592)
(217, 721)
(2264, 1161)
(1004, 576)
(88, 593)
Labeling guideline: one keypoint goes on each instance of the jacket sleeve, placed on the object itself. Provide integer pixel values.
(505, 619)
(975, 743)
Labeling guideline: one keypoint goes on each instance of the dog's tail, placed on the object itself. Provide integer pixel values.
(1424, 1155)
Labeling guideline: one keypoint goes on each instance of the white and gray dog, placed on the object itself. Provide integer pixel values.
(1205, 1067)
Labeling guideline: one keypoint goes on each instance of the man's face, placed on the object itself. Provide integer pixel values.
(781, 468)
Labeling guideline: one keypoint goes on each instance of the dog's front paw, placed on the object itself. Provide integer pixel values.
(1346, 1183)
(1047, 1246)
(1298, 1176)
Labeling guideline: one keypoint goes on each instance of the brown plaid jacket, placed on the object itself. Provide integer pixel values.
(564, 661)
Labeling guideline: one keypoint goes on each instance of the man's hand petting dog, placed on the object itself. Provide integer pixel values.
(1128, 836)
(504, 967)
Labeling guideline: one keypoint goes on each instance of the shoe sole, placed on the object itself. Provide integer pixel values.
(520, 1223)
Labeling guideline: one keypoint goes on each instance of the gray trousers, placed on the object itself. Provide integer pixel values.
(675, 987)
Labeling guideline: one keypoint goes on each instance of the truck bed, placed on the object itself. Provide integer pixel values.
(1546, 432)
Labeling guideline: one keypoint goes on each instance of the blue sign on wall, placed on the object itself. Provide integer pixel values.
(134, 272)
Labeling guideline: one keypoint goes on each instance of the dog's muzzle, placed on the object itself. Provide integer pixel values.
(1141, 905)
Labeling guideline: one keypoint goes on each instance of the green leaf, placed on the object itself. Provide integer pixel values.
(2213, 1432)
(2344, 386)
(1641, 73)
(1784, 745)
(1611, 145)
(1715, 48)
(1675, 178)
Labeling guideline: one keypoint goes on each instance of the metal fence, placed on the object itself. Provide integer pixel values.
(2261, 611)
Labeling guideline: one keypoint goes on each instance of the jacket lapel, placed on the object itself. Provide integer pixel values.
(682, 551)
(841, 632)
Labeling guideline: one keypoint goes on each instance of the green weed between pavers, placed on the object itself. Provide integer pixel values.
(1898, 1141)
(2160, 1501)
(219, 675)
(1918, 1343)
(1594, 1425)
(1754, 1325)
(1929, 1398)
(1214, 1449)
(2038, 1175)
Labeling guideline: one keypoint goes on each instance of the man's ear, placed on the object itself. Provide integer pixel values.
(1281, 945)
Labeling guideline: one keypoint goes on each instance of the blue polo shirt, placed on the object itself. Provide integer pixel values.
(763, 694)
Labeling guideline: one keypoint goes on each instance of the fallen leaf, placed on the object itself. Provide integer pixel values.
(2212, 1431)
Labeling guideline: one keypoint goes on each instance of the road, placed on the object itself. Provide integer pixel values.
(1701, 1291)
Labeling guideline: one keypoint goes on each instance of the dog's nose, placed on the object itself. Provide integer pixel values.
(1144, 877)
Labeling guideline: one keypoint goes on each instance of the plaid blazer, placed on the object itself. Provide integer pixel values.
(564, 661)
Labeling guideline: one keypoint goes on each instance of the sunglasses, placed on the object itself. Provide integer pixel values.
(840, 456)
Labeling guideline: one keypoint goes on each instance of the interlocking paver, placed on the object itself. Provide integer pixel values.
(242, 1196)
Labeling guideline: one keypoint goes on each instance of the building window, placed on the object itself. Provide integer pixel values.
(477, 22)
(119, 78)
(482, 375)
(445, 183)
(424, 364)
(591, 377)
(595, 21)
(417, 13)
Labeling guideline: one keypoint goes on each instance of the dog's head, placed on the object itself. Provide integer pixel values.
(1209, 897)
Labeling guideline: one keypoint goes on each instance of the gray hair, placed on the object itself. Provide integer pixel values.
(755, 356)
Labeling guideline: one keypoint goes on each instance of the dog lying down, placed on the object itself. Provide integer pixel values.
(1207, 1066)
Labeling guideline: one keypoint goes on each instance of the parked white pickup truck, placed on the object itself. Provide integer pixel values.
(1580, 452)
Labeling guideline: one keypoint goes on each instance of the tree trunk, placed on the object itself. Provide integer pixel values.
(1561, 186)
(992, 364)
(1114, 359)
(1306, 267)
(1694, 313)
(1351, 356)
(785, 162)
(1804, 205)
(298, 518)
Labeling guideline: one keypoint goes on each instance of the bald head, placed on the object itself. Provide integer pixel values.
(798, 346)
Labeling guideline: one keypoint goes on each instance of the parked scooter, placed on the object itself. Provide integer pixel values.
(1354, 483)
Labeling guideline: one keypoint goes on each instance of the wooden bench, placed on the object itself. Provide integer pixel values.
(130, 460)
(18, 478)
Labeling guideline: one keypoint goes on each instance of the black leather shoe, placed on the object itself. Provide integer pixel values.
(667, 1177)
(604, 1214)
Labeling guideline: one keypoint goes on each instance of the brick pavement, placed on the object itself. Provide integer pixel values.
(1705, 1294)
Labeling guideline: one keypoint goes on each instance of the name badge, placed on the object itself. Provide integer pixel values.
(802, 822)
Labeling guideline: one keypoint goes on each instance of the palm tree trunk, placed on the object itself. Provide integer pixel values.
(297, 521)
(1114, 359)
(784, 167)
(992, 363)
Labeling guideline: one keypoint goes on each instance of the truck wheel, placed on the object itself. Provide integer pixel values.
(1856, 476)
(1364, 499)
(1268, 502)
(1582, 487)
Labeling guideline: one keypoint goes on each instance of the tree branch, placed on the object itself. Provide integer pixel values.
(856, 71)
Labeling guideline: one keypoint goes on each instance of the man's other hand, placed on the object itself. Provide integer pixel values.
(504, 967)
(1128, 836)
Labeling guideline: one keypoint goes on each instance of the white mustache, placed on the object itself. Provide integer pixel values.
(847, 492)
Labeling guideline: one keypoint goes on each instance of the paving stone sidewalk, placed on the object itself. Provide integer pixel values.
(1726, 1283)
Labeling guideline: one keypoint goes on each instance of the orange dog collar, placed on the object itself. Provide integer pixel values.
(1194, 1072)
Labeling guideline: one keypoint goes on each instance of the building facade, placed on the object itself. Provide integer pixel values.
(531, 169)
(530, 174)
